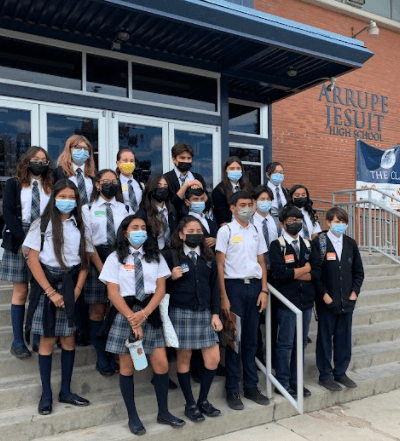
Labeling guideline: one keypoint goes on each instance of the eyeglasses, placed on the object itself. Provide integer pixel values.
(108, 182)
(39, 162)
(80, 147)
(297, 221)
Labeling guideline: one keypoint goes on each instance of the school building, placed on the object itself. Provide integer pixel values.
(241, 77)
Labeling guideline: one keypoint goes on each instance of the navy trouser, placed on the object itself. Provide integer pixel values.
(334, 330)
(243, 299)
(286, 348)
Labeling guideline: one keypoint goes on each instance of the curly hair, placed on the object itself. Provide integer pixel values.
(65, 159)
(309, 204)
(96, 193)
(24, 176)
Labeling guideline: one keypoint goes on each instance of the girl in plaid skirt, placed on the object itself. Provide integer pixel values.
(194, 311)
(135, 276)
(57, 257)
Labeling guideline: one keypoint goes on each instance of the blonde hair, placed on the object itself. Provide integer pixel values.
(65, 159)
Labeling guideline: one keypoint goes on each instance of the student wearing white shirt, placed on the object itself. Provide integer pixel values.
(243, 290)
(24, 200)
(59, 262)
(132, 189)
(135, 276)
(276, 175)
(103, 215)
(300, 198)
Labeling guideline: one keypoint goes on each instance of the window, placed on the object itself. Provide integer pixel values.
(247, 3)
(251, 157)
(107, 76)
(384, 8)
(244, 119)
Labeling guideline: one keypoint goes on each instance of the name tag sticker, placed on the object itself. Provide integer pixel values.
(330, 256)
(124, 188)
(129, 267)
(289, 258)
(237, 240)
(100, 214)
(185, 267)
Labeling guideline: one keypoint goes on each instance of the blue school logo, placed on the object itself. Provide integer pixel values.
(388, 159)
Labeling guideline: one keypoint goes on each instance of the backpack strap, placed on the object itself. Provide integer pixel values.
(282, 243)
(308, 244)
(43, 228)
(322, 244)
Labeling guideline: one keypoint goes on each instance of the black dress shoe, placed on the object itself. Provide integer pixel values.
(345, 380)
(45, 407)
(255, 395)
(73, 399)
(171, 421)
(20, 351)
(193, 413)
(306, 392)
(290, 391)
(208, 409)
(234, 401)
(107, 372)
(136, 427)
(330, 385)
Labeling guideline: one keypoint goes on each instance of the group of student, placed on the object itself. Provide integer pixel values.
(101, 249)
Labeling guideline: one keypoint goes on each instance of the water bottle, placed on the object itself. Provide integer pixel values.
(136, 350)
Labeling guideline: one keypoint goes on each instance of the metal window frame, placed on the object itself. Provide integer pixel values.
(263, 118)
(254, 147)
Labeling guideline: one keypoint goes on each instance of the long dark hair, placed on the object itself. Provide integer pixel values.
(150, 247)
(177, 242)
(52, 214)
(24, 176)
(96, 193)
(308, 207)
(149, 203)
(244, 183)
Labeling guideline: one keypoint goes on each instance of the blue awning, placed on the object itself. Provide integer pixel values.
(252, 49)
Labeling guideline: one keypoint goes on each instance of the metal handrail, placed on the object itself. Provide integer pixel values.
(355, 190)
(298, 405)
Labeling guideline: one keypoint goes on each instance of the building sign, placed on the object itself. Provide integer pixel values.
(379, 169)
(354, 113)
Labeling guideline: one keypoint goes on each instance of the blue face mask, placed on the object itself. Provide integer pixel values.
(338, 228)
(65, 206)
(198, 207)
(264, 206)
(277, 178)
(137, 238)
(80, 156)
(234, 175)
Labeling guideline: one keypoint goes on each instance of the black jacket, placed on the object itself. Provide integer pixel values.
(12, 214)
(299, 292)
(173, 220)
(222, 212)
(340, 278)
(212, 227)
(198, 289)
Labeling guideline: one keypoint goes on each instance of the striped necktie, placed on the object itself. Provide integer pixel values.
(139, 279)
(35, 204)
(278, 199)
(110, 224)
(193, 256)
(296, 247)
(132, 197)
(166, 231)
(236, 188)
(265, 231)
(182, 179)
(81, 186)
(306, 231)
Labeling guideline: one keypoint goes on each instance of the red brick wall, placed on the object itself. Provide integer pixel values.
(310, 155)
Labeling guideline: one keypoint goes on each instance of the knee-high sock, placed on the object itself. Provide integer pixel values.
(36, 339)
(17, 320)
(160, 383)
(67, 366)
(207, 378)
(184, 382)
(45, 362)
(99, 344)
(128, 394)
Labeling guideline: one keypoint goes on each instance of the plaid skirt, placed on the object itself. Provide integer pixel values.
(95, 291)
(120, 330)
(13, 266)
(193, 328)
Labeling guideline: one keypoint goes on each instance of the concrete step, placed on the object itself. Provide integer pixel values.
(381, 270)
(107, 420)
(376, 259)
(381, 282)
(5, 293)
(378, 297)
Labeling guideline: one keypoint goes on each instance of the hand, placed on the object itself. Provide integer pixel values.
(138, 332)
(177, 273)
(307, 266)
(225, 305)
(262, 301)
(58, 300)
(211, 241)
(194, 184)
(216, 323)
(353, 295)
(77, 292)
(136, 319)
(327, 299)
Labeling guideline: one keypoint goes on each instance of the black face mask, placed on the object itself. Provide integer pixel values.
(184, 166)
(109, 190)
(193, 240)
(300, 202)
(161, 194)
(293, 229)
(37, 170)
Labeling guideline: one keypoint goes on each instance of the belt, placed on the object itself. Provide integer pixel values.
(244, 281)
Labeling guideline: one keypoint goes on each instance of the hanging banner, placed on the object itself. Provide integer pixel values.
(378, 169)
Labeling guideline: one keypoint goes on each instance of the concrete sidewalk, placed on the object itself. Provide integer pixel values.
(372, 419)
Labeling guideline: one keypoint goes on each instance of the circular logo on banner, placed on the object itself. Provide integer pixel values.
(388, 159)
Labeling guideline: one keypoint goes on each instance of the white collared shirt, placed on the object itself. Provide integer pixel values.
(313, 229)
(271, 225)
(137, 189)
(187, 250)
(241, 247)
(88, 181)
(289, 239)
(26, 200)
(72, 237)
(337, 243)
(96, 218)
(189, 176)
(202, 219)
(234, 185)
(161, 238)
(274, 208)
(124, 274)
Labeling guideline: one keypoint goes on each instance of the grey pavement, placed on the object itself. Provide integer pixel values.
(374, 418)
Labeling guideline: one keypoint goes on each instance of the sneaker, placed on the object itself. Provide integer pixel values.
(234, 401)
(255, 395)
(345, 380)
(330, 385)
(20, 351)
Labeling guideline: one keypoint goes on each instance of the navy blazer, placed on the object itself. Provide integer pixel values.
(12, 215)
(222, 211)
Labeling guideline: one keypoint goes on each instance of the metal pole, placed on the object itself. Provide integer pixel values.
(300, 361)
(370, 222)
(268, 341)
